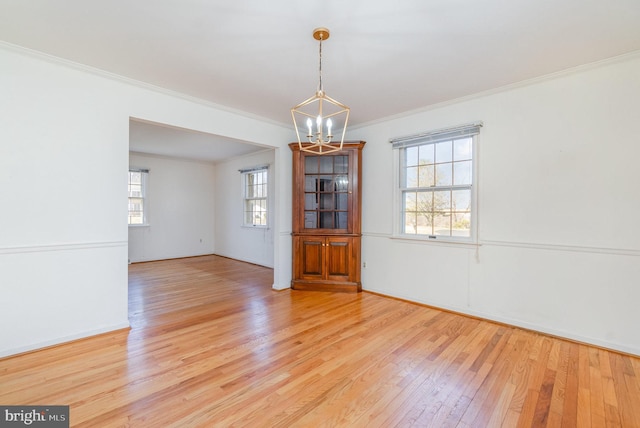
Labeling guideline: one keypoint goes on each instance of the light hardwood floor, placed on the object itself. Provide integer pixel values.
(212, 345)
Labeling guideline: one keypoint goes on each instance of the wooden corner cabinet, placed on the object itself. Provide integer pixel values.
(326, 226)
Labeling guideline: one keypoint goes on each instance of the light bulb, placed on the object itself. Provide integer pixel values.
(309, 124)
(329, 127)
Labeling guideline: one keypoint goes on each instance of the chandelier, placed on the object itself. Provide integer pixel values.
(323, 115)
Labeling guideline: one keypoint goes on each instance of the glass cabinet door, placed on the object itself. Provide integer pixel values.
(326, 191)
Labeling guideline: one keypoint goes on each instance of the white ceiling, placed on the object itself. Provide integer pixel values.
(383, 57)
(159, 139)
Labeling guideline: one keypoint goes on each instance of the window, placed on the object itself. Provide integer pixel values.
(255, 196)
(436, 179)
(137, 196)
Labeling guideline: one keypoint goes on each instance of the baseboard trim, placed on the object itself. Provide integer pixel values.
(560, 334)
(278, 287)
(253, 262)
(174, 257)
(34, 347)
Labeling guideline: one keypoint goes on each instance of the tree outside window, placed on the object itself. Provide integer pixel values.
(435, 191)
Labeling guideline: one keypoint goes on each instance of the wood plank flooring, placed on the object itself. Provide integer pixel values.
(212, 345)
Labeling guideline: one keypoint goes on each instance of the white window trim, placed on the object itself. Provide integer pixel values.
(145, 196)
(243, 175)
(402, 142)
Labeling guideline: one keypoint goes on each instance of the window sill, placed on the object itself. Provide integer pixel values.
(444, 241)
(139, 225)
(248, 226)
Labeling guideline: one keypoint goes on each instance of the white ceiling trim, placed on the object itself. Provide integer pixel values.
(133, 82)
(524, 83)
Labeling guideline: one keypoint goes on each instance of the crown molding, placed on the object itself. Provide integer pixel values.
(505, 88)
(132, 82)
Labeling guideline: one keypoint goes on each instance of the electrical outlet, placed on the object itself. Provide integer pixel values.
(364, 264)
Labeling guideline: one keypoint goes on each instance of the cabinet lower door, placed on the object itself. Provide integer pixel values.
(339, 254)
(328, 263)
(310, 258)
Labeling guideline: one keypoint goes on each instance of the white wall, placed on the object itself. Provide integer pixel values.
(63, 155)
(64, 158)
(558, 207)
(282, 218)
(180, 209)
(548, 150)
(250, 244)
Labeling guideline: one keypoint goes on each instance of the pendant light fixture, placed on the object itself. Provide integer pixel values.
(319, 116)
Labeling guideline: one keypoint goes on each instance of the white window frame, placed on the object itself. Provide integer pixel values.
(246, 173)
(144, 191)
(433, 137)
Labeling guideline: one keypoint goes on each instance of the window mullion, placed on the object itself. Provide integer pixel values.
(439, 210)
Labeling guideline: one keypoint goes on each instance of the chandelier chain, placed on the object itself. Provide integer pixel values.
(320, 66)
